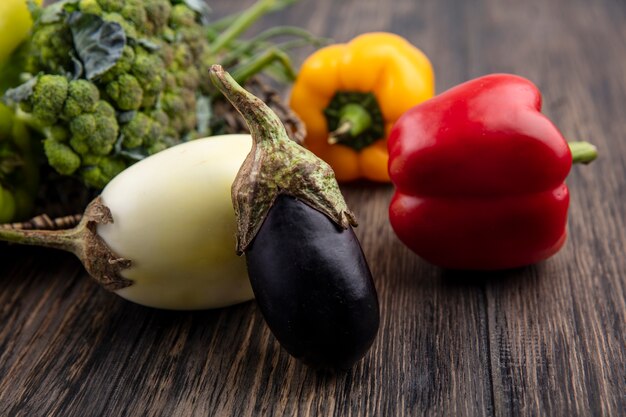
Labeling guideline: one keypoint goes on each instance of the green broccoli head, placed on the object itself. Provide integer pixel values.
(149, 71)
(98, 172)
(147, 133)
(48, 98)
(158, 14)
(144, 102)
(107, 129)
(50, 49)
(111, 5)
(129, 27)
(96, 132)
(61, 157)
(82, 128)
(182, 16)
(122, 66)
(90, 6)
(82, 96)
(126, 92)
(135, 12)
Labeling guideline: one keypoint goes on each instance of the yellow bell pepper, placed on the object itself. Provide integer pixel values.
(349, 96)
(15, 23)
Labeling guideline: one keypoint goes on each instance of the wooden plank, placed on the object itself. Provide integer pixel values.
(551, 348)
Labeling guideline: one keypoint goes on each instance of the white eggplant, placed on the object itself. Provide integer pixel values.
(162, 233)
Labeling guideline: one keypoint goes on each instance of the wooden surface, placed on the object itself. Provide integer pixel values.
(544, 340)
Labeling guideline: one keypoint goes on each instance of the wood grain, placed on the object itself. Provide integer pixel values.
(543, 340)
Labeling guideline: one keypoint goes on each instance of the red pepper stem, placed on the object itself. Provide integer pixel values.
(354, 119)
(583, 152)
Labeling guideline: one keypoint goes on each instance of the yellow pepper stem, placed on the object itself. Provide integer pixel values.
(353, 120)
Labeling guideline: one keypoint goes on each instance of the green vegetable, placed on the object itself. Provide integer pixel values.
(111, 82)
(19, 175)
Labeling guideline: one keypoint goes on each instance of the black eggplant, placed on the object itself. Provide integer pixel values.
(313, 285)
(308, 272)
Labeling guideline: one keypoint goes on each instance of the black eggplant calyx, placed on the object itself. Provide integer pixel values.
(275, 166)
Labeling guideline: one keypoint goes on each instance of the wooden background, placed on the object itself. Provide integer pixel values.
(544, 340)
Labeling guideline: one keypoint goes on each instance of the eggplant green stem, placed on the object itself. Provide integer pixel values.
(354, 119)
(275, 165)
(583, 152)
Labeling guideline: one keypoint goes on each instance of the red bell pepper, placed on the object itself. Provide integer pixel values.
(479, 175)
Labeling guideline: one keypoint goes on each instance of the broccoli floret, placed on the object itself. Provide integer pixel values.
(157, 147)
(189, 79)
(104, 138)
(126, 92)
(194, 38)
(61, 157)
(111, 5)
(102, 171)
(137, 131)
(95, 132)
(122, 66)
(172, 104)
(160, 117)
(90, 6)
(158, 13)
(182, 16)
(150, 72)
(135, 12)
(48, 98)
(127, 25)
(183, 56)
(50, 49)
(81, 98)
(82, 128)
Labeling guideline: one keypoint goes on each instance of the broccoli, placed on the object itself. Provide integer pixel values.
(48, 98)
(99, 171)
(126, 92)
(90, 119)
(61, 157)
(53, 49)
(82, 97)
(139, 130)
(113, 81)
(90, 6)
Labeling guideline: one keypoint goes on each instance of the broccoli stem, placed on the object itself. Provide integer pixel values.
(244, 20)
(290, 31)
(256, 64)
(213, 29)
(30, 121)
(259, 42)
